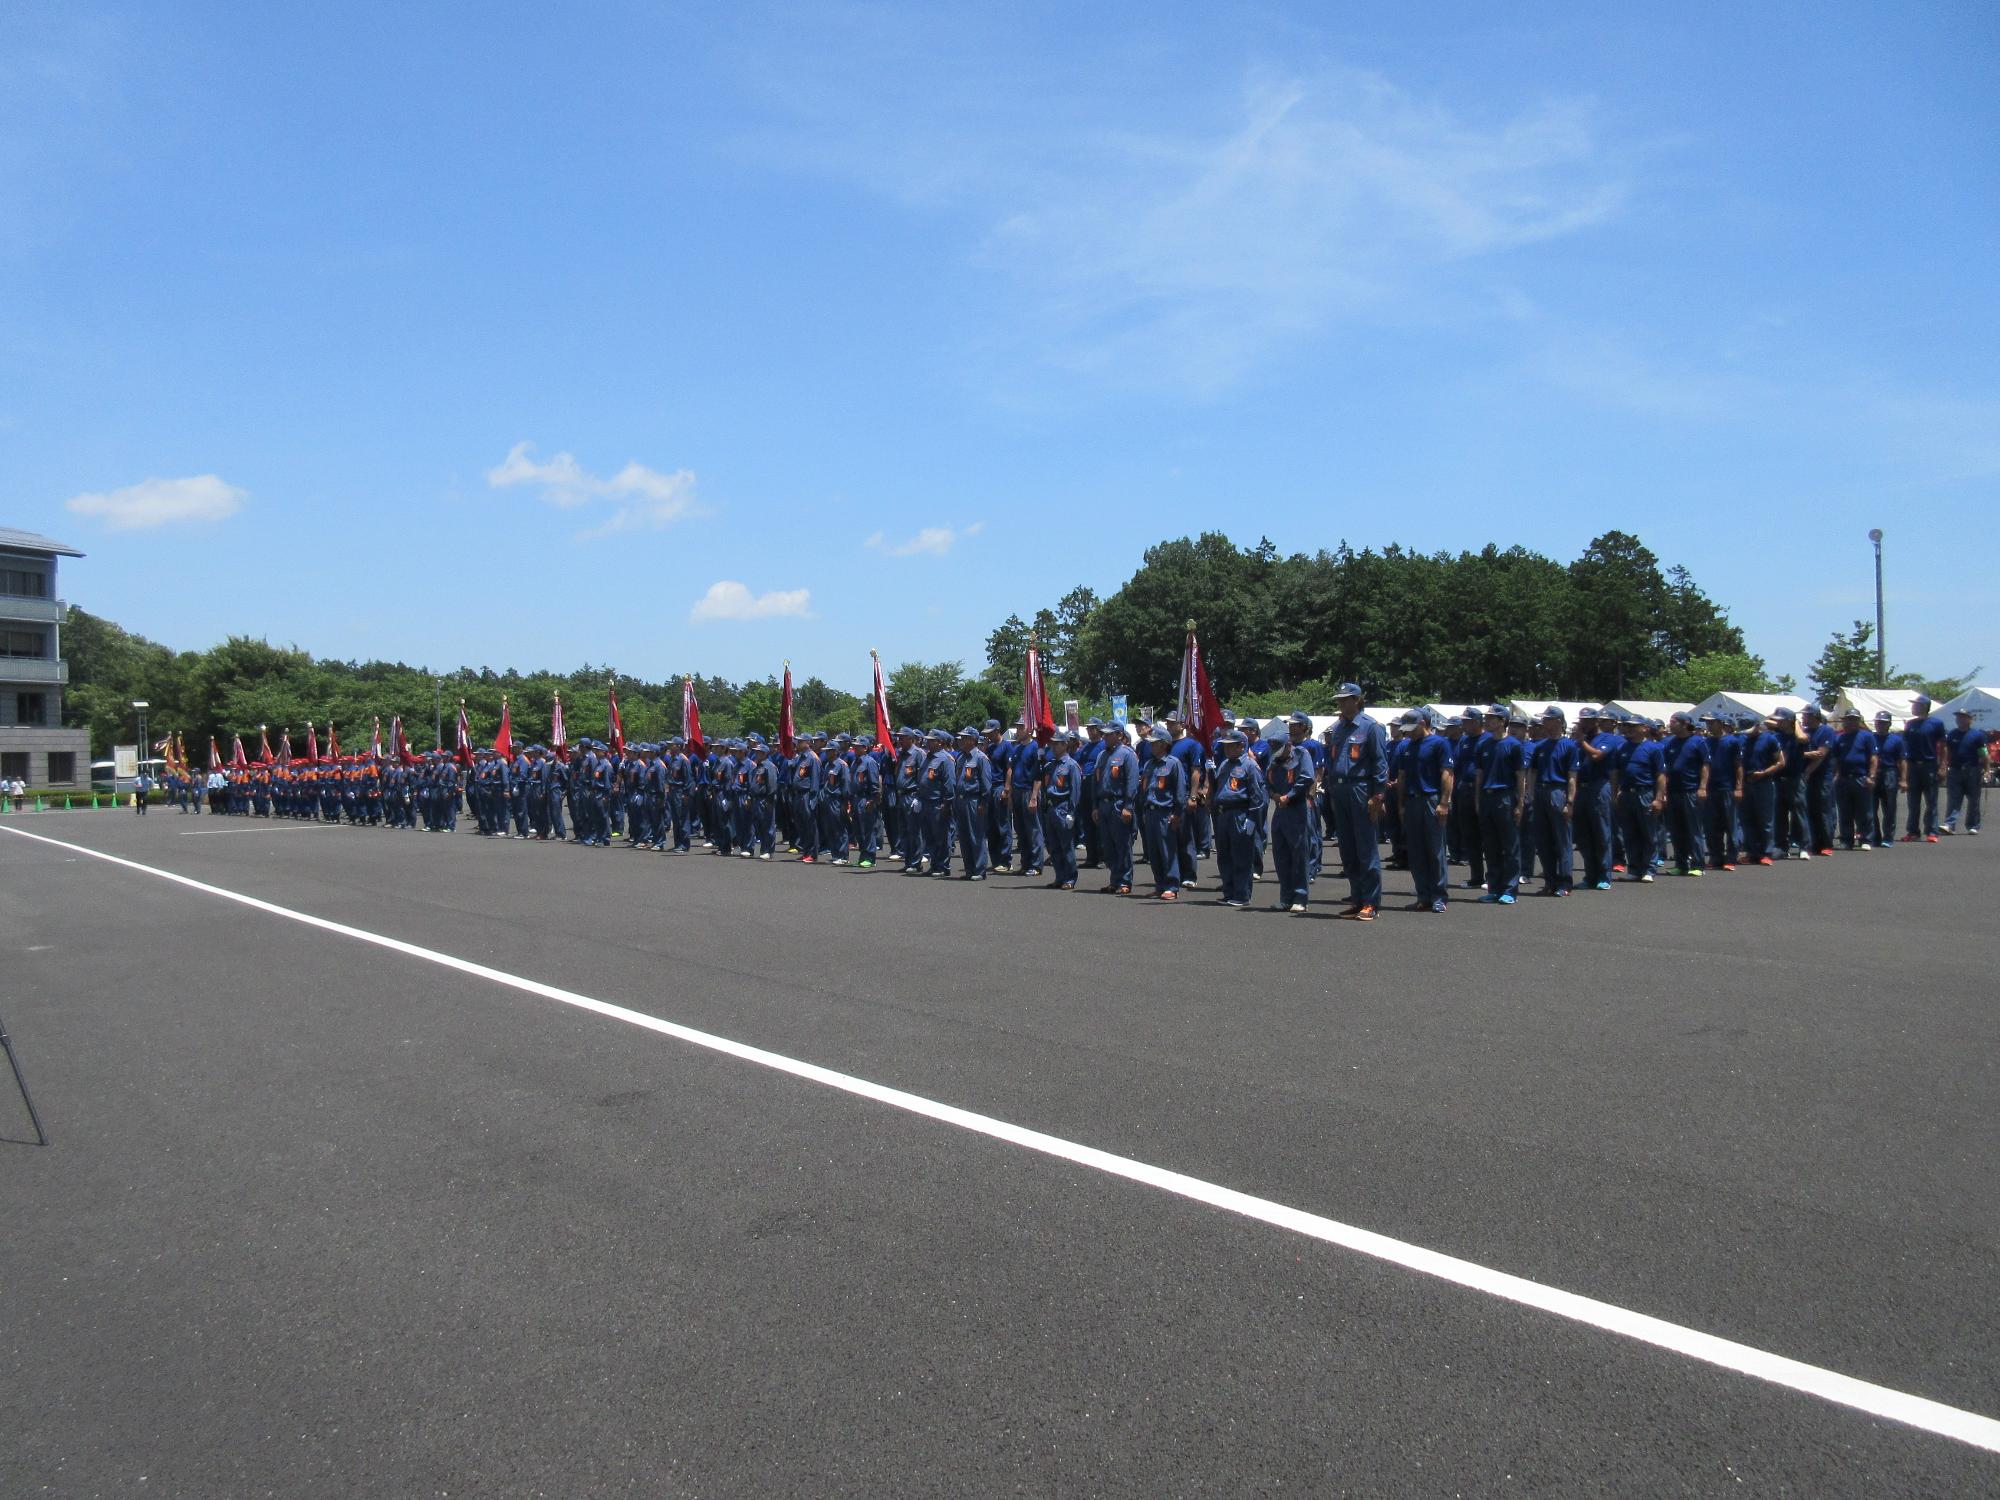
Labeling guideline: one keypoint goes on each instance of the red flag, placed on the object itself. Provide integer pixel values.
(312, 741)
(1201, 715)
(238, 760)
(462, 752)
(181, 751)
(400, 743)
(503, 742)
(559, 733)
(214, 753)
(787, 735)
(691, 718)
(285, 746)
(617, 724)
(1035, 716)
(883, 737)
(332, 741)
(264, 734)
(375, 740)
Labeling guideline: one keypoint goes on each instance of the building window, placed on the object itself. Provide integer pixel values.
(24, 643)
(62, 767)
(30, 708)
(24, 583)
(14, 765)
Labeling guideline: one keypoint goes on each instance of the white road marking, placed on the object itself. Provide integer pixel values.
(1829, 1385)
(202, 833)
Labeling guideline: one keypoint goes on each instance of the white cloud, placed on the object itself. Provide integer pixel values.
(730, 600)
(162, 502)
(1184, 250)
(642, 498)
(936, 540)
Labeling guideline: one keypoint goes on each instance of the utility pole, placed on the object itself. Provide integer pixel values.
(1881, 646)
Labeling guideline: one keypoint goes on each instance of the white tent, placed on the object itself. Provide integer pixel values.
(1983, 703)
(1734, 705)
(1895, 702)
(1646, 710)
(1439, 712)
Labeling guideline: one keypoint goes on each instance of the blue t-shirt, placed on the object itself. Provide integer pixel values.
(1965, 745)
(1852, 750)
(1684, 761)
(1424, 763)
(1555, 761)
(1921, 739)
(1638, 763)
(1501, 764)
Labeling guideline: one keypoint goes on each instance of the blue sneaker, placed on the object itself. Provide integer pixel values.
(1507, 898)
(1489, 898)
(1602, 885)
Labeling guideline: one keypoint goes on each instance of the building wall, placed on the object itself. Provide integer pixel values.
(37, 745)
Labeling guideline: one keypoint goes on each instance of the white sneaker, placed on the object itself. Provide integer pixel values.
(840, 861)
(1191, 881)
(1296, 909)
(742, 853)
(763, 856)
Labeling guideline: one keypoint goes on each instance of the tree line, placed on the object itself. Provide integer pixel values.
(1278, 632)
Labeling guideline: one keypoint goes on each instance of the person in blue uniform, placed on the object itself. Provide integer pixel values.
(1592, 822)
(1688, 766)
(864, 794)
(1423, 787)
(1763, 766)
(1258, 748)
(1289, 781)
(1392, 806)
(940, 789)
(1090, 749)
(972, 804)
(1117, 798)
(999, 830)
(1924, 764)
(1552, 771)
(1501, 769)
(1189, 752)
(1354, 781)
(1794, 832)
(911, 759)
(1163, 811)
(1856, 763)
(1965, 748)
(804, 781)
(1821, 797)
(1026, 761)
(1889, 757)
(1639, 789)
(1465, 752)
(1239, 800)
(1725, 783)
(1055, 802)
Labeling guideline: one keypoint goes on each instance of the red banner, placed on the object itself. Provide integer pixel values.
(559, 733)
(503, 742)
(691, 718)
(884, 736)
(787, 735)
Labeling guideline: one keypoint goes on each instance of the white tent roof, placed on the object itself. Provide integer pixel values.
(1983, 703)
(1648, 710)
(1763, 705)
(1895, 702)
(1439, 712)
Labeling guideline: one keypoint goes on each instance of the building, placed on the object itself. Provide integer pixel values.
(33, 744)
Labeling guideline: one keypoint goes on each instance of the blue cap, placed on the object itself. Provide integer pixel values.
(1093, 722)
(1348, 690)
(1412, 717)
(1494, 711)
(990, 724)
(1116, 726)
(1160, 737)
(1783, 711)
(968, 733)
(1299, 716)
(1071, 737)
(1747, 721)
(1229, 735)
(1553, 714)
(1450, 720)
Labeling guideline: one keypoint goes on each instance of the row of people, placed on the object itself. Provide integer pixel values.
(1490, 792)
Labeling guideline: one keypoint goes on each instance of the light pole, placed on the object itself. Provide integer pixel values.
(437, 726)
(141, 705)
(1881, 646)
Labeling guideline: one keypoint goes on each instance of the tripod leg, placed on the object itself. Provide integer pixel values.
(7, 1044)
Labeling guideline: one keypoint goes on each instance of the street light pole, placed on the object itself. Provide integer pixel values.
(1881, 646)
(437, 727)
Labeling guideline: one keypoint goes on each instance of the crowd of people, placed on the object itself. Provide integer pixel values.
(1502, 797)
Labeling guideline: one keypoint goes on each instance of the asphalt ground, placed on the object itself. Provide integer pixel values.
(324, 1218)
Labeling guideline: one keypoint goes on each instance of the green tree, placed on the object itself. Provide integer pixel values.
(1847, 661)
(1703, 676)
(758, 705)
(923, 694)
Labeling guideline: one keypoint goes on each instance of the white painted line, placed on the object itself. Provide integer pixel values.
(1828, 1385)
(202, 833)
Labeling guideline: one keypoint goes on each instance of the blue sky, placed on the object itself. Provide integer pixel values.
(698, 337)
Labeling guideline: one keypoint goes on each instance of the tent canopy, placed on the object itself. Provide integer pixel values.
(1534, 708)
(1983, 703)
(1763, 705)
(1895, 702)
